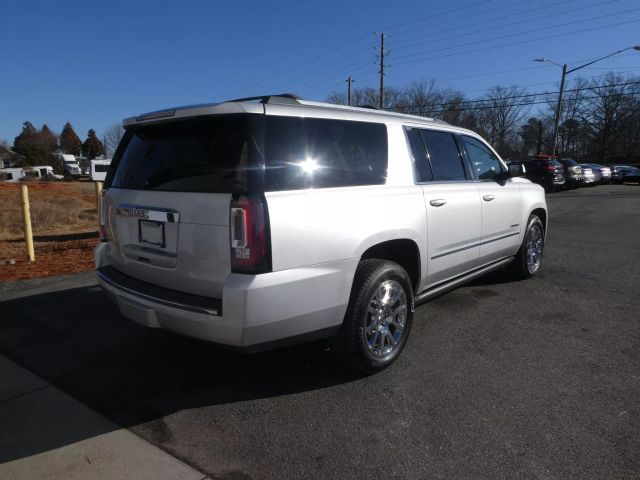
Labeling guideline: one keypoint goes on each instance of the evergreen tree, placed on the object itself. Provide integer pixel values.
(70, 142)
(48, 138)
(92, 146)
(32, 145)
(23, 142)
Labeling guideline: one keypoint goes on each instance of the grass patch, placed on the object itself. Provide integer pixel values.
(56, 208)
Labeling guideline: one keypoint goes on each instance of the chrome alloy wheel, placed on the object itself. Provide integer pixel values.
(535, 242)
(386, 317)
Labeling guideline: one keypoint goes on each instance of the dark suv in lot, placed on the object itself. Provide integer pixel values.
(572, 172)
(547, 172)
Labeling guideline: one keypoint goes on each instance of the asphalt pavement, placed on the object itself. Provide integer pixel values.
(500, 379)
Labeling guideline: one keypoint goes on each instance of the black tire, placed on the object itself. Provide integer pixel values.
(522, 266)
(359, 350)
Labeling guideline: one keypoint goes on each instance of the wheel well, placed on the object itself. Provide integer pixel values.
(542, 215)
(404, 252)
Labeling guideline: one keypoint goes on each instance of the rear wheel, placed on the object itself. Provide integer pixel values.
(529, 257)
(379, 316)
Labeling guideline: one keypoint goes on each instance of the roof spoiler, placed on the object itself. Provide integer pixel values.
(280, 98)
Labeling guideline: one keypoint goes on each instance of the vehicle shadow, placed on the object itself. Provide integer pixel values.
(77, 341)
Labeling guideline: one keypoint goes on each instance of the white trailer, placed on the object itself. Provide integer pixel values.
(11, 174)
(99, 169)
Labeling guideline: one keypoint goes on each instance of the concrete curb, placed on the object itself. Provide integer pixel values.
(36, 286)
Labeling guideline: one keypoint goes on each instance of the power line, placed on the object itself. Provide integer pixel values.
(555, 81)
(430, 17)
(533, 102)
(484, 49)
(569, 90)
(499, 18)
(518, 34)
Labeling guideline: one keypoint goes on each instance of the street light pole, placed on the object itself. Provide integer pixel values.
(566, 72)
(556, 123)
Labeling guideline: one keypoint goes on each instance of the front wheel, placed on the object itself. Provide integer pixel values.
(379, 316)
(529, 257)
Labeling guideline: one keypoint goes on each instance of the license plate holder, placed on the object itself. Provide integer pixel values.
(151, 232)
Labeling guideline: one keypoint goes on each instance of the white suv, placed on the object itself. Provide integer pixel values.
(272, 220)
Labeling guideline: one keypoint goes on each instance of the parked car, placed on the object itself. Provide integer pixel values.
(633, 175)
(547, 172)
(604, 171)
(572, 172)
(267, 221)
(620, 173)
(590, 176)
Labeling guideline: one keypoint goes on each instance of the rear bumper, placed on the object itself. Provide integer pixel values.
(255, 312)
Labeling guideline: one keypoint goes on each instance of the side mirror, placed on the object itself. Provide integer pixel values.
(517, 169)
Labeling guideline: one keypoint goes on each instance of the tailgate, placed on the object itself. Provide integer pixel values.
(176, 240)
(167, 201)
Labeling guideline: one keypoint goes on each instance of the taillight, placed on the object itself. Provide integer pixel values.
(101, 218)
(549, 167)
(250, 239)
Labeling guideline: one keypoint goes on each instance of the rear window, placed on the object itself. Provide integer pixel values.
(320, 153)
(209, 155)
(101, 168)
(236, 153)
(444, 155)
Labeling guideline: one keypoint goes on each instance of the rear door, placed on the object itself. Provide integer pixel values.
(500, 202)
(452, 204)
(167, 201)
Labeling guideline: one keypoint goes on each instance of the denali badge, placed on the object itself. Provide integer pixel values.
(133, 212)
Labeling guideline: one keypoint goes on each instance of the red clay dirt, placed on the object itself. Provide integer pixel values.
(52, 258)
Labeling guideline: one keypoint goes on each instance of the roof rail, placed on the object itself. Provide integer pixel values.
(370, 107)
(280, 98)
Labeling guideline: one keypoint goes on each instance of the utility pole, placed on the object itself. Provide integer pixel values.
(382, 71)
(349, 82)
(556, 122)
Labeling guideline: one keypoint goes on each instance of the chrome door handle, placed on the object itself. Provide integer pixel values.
(488, 198)
(438, 202)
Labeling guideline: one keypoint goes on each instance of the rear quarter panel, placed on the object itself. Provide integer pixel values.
(312, 227)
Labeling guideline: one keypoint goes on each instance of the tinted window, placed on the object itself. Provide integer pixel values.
(210, 155)
(443, 155)
(484, 163)
(421, 164)
(311, 152)
(101, 168)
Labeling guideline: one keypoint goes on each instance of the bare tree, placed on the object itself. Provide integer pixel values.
(112, 136)
(609, 108)
(503, 110)
(337, 98)
(423, 98)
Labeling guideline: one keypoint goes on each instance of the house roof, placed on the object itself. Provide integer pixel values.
(6, 154)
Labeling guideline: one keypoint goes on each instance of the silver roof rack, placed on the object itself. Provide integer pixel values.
(280, 98)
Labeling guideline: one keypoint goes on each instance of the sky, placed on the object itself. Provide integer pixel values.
(95, 63)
